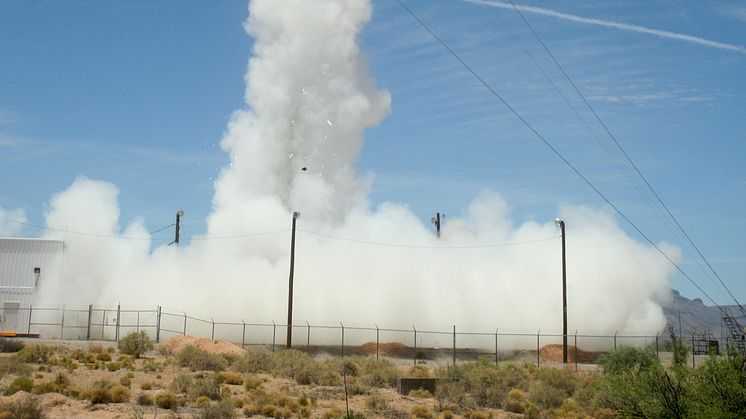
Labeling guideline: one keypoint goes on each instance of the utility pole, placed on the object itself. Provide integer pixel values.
(179, 214)
(561, 224)
(296, 215)
(436, 221)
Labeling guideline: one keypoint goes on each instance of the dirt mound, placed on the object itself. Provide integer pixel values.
(177, 343)
(392, 349)
(553, 352)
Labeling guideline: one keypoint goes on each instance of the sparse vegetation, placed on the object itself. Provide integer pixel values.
(197, 359)
(135, 344)
(23, 408)
(20, 384)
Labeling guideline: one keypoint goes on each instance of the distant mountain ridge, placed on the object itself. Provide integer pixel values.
(695, 315)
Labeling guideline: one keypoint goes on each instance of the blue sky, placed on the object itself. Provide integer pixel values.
(138, 94)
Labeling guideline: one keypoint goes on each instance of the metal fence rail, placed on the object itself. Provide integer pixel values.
(110, 324)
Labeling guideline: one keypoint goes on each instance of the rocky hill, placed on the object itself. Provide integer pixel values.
(695, 315)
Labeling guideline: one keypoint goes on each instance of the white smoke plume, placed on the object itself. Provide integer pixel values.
(293, 148)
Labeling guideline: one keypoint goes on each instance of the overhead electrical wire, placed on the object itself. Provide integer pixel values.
(557, 153)
(626, 155)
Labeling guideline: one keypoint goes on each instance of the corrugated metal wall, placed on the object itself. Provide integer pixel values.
(24, 265)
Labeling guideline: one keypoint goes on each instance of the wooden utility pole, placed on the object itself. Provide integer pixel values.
(296, 215)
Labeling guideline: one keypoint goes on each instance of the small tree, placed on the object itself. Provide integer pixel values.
(135, 344)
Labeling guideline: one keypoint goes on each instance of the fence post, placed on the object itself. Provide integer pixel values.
(103, 324)
(158, 326)
(119, 313)
(212, 337)
(243, 334)
(343, 341)
(576, 350)
(137, 326)
(274, 334)
(308, 335)
(415, 345)
(88, 329)
(693, 350)
(62, 322)
(538, 349)
(377, 340)
(185, 320)
(615, 340)
(30, 309)
(454, 345)
(656, 343)
(496, 346)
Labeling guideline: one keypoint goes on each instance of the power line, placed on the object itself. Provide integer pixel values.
(162, 228)
(625, 154)
(415, 246)
(555, 151)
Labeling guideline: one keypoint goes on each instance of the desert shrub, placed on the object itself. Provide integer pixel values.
(197, 359)
(95, 348)
(48, 387)
(305, 412)
(478, 414)
(10, 345)
(208, 386)
(125, 380)
(119, 394)
(515, 401)
(420, 393)
(350, 367)
(135, 344)
(480, 383)
(250, 410)
(418, 371)
(167, 400)
(103, 356)
(232, 378)
(292, 363)
(561, 379)
(421, 411)
(545, 396)
(251, 382)
(127, 361)
(628, 359)
(376, 403)
(221, 410)
(147, 385)
(20, 384)
(447, 414)
(35, 354)
(98, 393)
(718, 387)
(254, 360)
(375, 373)
(238, 403)
(145, 399)
(332, 412)
(269, 410)
(112, 366)
(182, 383)
(202, 401)
(13, 366)
(23, 408)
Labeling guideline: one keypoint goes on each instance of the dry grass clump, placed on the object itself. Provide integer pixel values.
(480, 384)
(418, 371)
(198, 359)
(220, 410)
(373, 373)
(232, 378)
(376, 403)
(58, 385)
(35, 354)
(103, 391)
(20, 384)
(14, 366)
(306, 370)
(167, 400)
(421, 411)
(145, 399)
(23, 408)
(420, 393)
(147, 385)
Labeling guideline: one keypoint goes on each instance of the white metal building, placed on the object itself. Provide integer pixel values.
(24, 264)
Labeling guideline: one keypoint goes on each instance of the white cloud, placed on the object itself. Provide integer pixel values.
(12, 221)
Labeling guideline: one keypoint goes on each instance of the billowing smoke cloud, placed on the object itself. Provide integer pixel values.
(10, 221)
(309, 100)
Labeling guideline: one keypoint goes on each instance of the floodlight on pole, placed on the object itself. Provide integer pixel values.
(179, 214)
(561, 224)
(296, 216)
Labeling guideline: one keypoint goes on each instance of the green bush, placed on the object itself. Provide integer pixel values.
(208, 386)
(197, 359)
(35, 354)
(20, 384)
(135, 344)
(546, 396)
(99, 392)
(375, 373)
(254, 360)
(481, 383)
(10, 345)
(182, 383)
(119, 394)
(628, 360)
(25, 408)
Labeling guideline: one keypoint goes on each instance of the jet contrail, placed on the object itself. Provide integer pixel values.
(611, 24)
